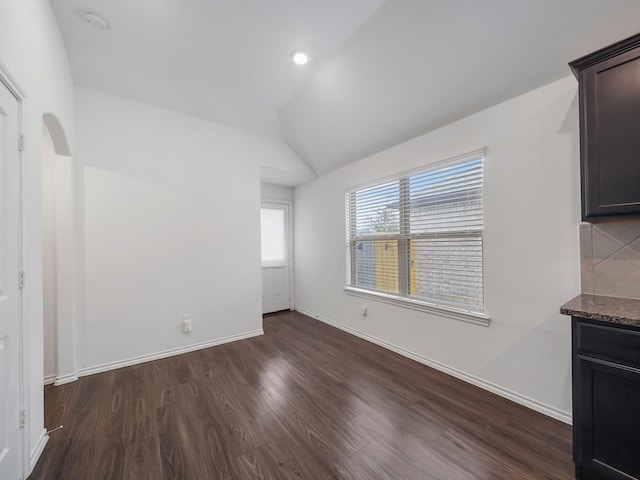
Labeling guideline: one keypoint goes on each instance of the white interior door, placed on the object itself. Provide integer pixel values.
(10, 308)
(274, 223)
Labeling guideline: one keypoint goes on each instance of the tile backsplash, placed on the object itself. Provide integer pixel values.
(610, 259)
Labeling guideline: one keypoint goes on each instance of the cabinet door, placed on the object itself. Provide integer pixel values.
(610, 115)
(607, 420)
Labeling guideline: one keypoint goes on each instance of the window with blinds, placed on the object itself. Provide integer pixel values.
(419, 236)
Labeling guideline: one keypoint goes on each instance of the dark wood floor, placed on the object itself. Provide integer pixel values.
(303, 401)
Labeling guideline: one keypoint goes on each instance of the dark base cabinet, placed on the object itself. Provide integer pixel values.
(606, 401)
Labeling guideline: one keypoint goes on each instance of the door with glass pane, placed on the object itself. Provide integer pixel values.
(274, 222)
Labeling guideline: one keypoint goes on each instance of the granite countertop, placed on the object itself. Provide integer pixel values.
(621, 311)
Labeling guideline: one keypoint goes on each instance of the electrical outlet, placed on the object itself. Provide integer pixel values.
(186, 323)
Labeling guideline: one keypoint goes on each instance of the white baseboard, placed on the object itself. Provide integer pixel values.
(49, 379)
(38, 449)
(454, 372)
(63, 379)
(166, 353)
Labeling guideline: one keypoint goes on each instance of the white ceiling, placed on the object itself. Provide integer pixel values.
(380, 72)
(225, 60)
(417, 65)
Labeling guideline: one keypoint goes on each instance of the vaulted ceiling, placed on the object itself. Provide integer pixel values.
(379, 72)
(224, 60)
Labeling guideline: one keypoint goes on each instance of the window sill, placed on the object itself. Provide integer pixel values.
(477, 318)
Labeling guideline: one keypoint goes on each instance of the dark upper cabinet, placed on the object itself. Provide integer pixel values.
(609, 82)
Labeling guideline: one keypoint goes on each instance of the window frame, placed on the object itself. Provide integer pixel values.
(403, 238)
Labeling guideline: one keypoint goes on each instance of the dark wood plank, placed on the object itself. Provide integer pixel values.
(303, 401)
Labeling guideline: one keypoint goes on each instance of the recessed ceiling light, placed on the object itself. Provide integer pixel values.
(96, 21)
(299, 57)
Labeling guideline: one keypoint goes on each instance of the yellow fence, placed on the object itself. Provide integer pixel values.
(386, 261)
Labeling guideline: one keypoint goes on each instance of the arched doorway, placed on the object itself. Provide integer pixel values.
(59, 255)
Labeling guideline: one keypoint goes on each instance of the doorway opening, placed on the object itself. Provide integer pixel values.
(276, 257)
(48, 258)
(58, 247)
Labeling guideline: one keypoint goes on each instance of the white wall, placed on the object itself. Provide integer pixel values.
(171, 227)
(530, 247)
(33, 53)
(269, 191)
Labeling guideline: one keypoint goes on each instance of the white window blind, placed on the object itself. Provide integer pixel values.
(419, 236)
(272, 237)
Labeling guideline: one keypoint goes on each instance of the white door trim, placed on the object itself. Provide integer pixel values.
(12, 85)
(292, 290)
(24, 388)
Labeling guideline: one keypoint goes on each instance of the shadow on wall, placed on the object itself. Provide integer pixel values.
(554, 334)
(58, 137)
